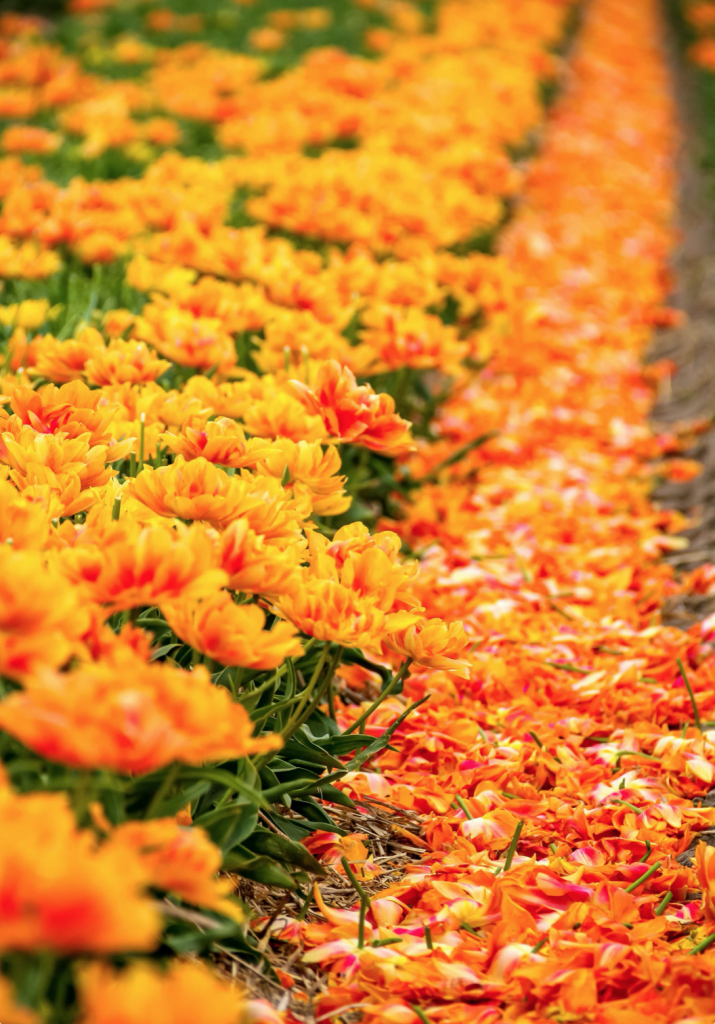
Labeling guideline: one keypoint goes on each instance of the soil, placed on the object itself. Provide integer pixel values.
(689, 396)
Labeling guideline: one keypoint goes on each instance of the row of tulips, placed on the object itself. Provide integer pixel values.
(244, 314)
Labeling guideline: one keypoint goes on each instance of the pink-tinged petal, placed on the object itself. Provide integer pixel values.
(672, 816)
(386, 912)
(551, 885)
(330, 951)
(258, 1011)
(611, 953)
(688, 912)
(456, 972)
(391, 1013)
(589, 856)
(699, 767)
(508, 957)
(285, 929)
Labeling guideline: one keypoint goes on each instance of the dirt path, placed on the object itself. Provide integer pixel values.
(691, 394)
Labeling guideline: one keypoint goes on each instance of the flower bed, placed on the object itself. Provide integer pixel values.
(326, 489)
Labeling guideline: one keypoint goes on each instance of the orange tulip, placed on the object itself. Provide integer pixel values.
(256, 566)
(62, 361)
(130, 717)
(329, 611)
(25, 519)
(76, 896)
(200, 342)
(433, 643)
(123, 361)
(180, 860)
(353, 413)
(310, 471)
(232, 634)
(198, 490)
(72, 408)
(121, 565)
(221, 441)
(42, 620)
(186, 993)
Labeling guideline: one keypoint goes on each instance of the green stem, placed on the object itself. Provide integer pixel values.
(512, 846)
(82, 796)
(702, 945)
(662, 906)
(420, 1013)
(331, 699)
(696, 713)
(306, 906)
(364, 900)
(644, 877)
(404, 668)
(463, 805)
(335, 661)
(632, 807)
(305, 696)
(166, 784)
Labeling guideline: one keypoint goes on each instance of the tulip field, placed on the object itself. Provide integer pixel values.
(336, 677)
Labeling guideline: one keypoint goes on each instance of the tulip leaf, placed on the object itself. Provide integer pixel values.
(282, 849)
(259, 869)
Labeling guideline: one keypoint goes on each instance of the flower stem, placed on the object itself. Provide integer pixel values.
(701, 946)
(663, 905)
(364, 900)
(166, 784)
(383, 696)
(696, 713)
(644, 877)
(512, 846)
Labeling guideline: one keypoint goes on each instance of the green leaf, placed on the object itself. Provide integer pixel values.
(258, 869)
(300, 828)
(229, 826)
(171, 807)
(161, 651)
(346, 744)
(303, 749)
(194, 941)
(317, 812)
(224, 778)
(284, 850)
(336, 796)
